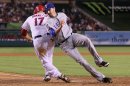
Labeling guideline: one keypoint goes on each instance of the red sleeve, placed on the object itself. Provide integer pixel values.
(23, 32)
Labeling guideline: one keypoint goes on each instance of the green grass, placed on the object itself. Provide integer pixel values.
(119, 64)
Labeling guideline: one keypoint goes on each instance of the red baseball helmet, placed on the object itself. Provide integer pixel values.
(38, 9)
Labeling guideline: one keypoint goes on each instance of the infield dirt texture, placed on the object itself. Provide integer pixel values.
(7, 79)
(13, 79)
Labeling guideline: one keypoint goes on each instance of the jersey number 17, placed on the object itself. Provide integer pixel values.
(38, 21)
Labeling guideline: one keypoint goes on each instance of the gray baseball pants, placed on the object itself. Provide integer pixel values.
(69, 47)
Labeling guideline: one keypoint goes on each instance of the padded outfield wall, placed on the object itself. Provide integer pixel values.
(12, 38)
(109, 38)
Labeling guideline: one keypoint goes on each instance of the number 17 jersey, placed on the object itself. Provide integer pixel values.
(37, 24)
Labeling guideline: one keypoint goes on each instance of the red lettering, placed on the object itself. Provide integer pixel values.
(38, 21)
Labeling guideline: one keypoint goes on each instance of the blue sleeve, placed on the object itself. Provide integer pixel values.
(52, 32)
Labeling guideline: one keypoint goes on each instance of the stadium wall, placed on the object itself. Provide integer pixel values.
(109, 38)
(12, 38)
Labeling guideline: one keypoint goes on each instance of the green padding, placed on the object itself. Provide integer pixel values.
(13, 25)
(98, 7)
(104, 7)
(91, 7)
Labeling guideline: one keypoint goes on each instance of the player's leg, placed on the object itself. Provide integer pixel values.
(50, 69)
(47, 62)
(49, 53)
(50, 50)
(81, 40)
(78, 58)
(48, 58)
(54, 72)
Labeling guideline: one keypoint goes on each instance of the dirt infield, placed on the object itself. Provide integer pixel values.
(8, 79)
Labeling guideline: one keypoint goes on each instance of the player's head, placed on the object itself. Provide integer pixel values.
(39, 8)
(50, 9)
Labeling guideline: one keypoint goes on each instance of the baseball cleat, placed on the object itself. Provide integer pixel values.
(103, 64)
(47, 78)
(64, 78)
(107, 80)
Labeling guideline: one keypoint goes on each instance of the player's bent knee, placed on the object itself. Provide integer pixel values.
(80, 61)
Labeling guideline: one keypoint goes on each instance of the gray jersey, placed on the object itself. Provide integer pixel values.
(66, 29)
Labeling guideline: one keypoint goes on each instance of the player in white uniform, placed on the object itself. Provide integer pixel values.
(69, 41)
(43, 46)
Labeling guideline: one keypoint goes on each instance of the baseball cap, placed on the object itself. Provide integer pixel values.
(38, 9)
(49, 5)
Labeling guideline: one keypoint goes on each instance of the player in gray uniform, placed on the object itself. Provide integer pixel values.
(68, 42)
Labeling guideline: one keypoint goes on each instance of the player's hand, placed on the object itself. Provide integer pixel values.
(62, 22)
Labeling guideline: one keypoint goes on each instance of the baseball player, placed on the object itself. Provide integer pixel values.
(68, 42)
(43, 46)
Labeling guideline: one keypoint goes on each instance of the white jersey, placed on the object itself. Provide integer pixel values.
(36, 23)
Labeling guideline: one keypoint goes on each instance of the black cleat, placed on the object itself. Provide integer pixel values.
(107, 80)
(103, 64)
(64, 78)
(47, 78)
